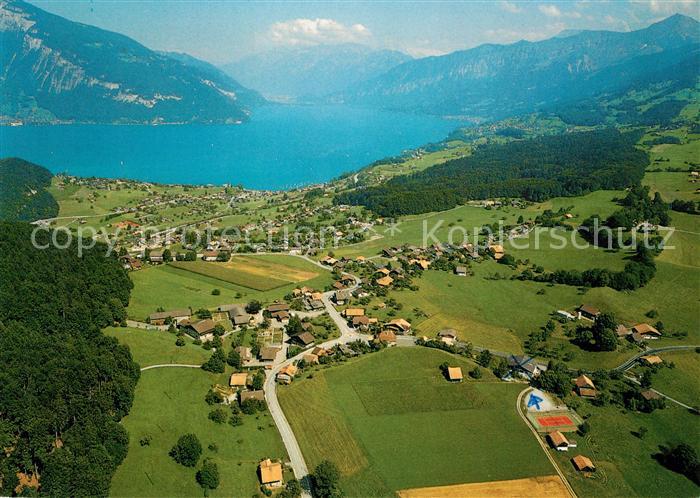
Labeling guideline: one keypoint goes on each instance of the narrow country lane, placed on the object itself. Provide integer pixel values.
(518, 408)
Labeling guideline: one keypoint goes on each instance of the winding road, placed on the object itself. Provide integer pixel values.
(347, 334)
(631, 361)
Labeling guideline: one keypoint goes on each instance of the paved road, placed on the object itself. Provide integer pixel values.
(631, 361)
(296, 457)
(518, 408)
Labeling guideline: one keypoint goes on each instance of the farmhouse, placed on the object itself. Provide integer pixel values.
(305, 339)
(202, 329)
(646, 331)
(232, 309)
(398, 325)
(496, 251)
(310, 358)
(362, 322)
(385, 281)
(240, 320)
(651, 360)
(210, 255)
(286, 374)
(559, 442)
(282, 316)
(276, 307)
(589, 312)
(156, 256)
(525, 366)
(329, 261)
(238, 380)
(176, 316)
(353, 312)
(649, 395)
(256, 395)
(448, 336)
(454, 374)
(268, 353)
(270, 473)
(622, 331)
(585, 387)
(319, 351)
(315, 305)
(342, 296)
(387, 336)
(245, 354)
(461, 271)
(583, 464)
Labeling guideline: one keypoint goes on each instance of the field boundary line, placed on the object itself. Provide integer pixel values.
(170, 365)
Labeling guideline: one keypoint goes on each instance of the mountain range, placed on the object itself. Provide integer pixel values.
(307, 73)
(494, 81)
(56, 70)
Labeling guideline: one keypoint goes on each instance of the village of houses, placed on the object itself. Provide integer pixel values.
(284, 353)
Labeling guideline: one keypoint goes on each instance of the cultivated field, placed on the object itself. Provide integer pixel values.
(169, 402)
(254, 272)
(169, 287)
(549, 486)
(390, 421)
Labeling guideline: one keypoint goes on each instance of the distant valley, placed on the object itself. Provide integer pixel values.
(312, 73)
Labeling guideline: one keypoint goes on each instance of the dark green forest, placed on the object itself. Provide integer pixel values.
(537, 169)
(23, 191)
(64, 386)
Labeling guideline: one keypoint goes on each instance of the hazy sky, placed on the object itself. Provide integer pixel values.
(225, 30)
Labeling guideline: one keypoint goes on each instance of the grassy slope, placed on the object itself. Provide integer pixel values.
(154, 347)
(390, 421)
(172, 288)
(170, 402)
(681, 382)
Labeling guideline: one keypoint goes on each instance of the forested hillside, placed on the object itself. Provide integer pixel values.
(64, 386)
(23, 191)
(536, 169)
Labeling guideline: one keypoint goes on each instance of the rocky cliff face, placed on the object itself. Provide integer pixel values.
(55, 70)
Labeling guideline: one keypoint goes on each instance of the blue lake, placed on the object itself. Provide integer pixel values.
(281, 147)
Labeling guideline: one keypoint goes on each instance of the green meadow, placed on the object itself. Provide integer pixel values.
(156, 347)
(625, 463)
(169, 402)
(681, 382)
(390, 421)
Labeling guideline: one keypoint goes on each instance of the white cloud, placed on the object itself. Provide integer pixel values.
(668, 7)
(554, 11)
(510, 36)
(550, 10)
(317, 32)
(510, 7)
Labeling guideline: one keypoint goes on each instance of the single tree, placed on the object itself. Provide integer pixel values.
(187, 450)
